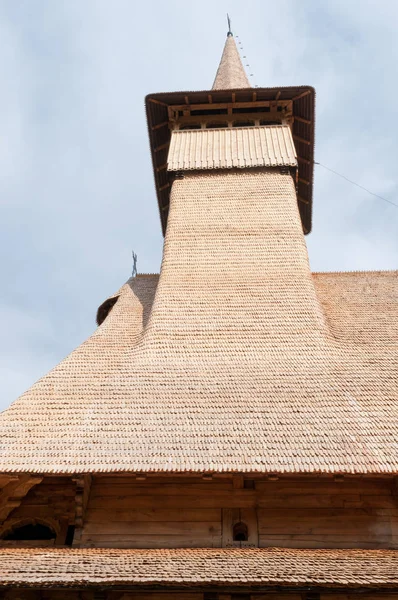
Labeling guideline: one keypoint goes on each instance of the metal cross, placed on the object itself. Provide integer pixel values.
(134, 272)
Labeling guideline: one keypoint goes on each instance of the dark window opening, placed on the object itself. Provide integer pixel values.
(213, 111)
(254, 109)
(192, 126)
(240, 532)
(243, 124)
(216, 125)
(30, 532)
(263, 122)
(70, 534)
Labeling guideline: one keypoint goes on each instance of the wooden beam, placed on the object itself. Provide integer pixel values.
(210, 98)
(6, 479)
(225, 105)
(92, 595)
(302, 180)
(164, 187)
(159, 125)
(233, 97)
(18, 593)
(303, 200)
(224, 596)
(304, 160)
(249, 516)
(300, 139)
(230, 516)
(186, 99)
(238, 482)
(14, 492)
(394, 522)
(83, 487)
(278, 95)
(254, 96)
(157, 102)
(395, 487)
(162, 167)
(162, 147)
(302, 95)
(302, 120)
(248, 116)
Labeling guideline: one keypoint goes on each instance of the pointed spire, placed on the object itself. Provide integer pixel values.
(230, 73)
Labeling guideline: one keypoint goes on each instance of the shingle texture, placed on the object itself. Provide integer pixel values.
(361, 308)
(230, 73)
(237, 359)
(190, 567)
(231, 147)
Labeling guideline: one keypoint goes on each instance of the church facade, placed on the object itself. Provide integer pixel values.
(229, 432)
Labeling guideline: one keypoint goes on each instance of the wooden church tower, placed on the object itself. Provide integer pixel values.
(229, 432)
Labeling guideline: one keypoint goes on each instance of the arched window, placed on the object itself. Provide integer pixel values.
(240, 532)
(28, 532)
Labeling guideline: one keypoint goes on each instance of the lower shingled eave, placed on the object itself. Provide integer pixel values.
(174, 568)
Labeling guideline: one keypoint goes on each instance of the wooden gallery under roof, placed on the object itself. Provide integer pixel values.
(229, 432)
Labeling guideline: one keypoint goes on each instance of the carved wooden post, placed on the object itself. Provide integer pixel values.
(83, 486)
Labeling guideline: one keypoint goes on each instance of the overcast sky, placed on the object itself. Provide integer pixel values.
(77, 192)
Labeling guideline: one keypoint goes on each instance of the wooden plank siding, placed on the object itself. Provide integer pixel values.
(187, 512)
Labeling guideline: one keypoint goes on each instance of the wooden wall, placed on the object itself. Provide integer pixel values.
(155, 513)
(184, 512)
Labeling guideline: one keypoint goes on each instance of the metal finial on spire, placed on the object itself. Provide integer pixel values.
(230, 73)
(134, 256)
(229, 26)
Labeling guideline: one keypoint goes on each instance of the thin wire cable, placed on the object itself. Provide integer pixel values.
(356, 184)
(241, 50)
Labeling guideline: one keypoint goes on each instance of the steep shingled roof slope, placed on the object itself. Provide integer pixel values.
(234, 368)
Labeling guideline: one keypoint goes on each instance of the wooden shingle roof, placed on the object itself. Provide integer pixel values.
(230, 73)
(201, 567)
(236, 359)
(228, 148)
